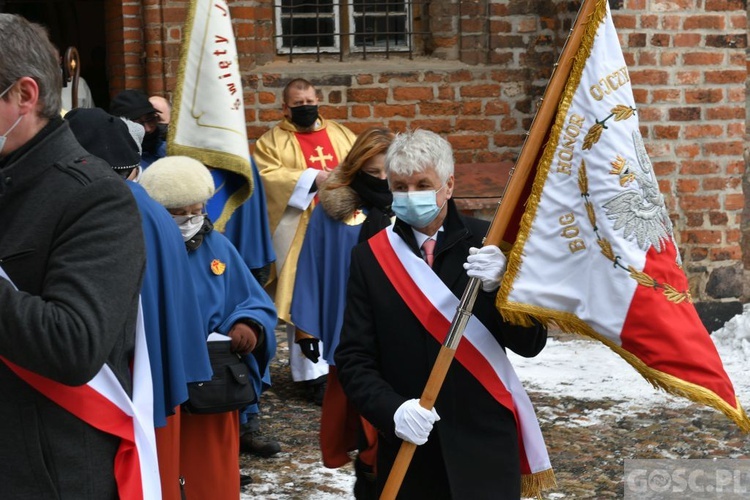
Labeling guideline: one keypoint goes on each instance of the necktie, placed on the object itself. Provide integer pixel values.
(428, 247)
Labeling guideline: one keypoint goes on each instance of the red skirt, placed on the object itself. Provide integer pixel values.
(341, 428)
(210, 455)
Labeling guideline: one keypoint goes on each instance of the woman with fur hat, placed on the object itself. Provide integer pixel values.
(355, 203)
(232, 304)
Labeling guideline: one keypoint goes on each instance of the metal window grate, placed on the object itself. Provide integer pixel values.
(355, 27)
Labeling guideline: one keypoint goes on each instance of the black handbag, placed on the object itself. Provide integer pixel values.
(229, 388)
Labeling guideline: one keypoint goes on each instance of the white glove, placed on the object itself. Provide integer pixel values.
(487, 264)
(414, 423)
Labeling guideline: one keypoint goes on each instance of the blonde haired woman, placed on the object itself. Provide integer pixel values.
(355, 204)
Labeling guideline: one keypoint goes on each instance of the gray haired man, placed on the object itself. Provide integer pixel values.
(72, 257)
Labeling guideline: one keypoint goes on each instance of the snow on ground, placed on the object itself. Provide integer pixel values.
(588, 370)
(578, 368)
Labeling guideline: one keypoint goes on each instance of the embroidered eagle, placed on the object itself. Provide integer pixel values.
(641, 212)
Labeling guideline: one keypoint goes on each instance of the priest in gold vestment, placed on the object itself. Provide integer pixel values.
(294, 159)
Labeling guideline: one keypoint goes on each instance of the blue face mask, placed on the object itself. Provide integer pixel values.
(5, 135)
(417, 208)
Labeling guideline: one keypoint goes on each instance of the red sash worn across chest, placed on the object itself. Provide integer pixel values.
(317, 150)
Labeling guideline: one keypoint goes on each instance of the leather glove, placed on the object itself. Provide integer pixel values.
(488, 264)
(310, 348)
(244, 338)
(414, 423)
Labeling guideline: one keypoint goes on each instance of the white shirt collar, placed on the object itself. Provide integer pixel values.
(421, 237)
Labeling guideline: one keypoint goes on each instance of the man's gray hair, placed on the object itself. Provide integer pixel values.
(412, 152)
(25, 50)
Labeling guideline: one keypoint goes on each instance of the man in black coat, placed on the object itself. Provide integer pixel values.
(71, 260)
(386, 354)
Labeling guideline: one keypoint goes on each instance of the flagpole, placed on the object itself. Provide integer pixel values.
(512, 195)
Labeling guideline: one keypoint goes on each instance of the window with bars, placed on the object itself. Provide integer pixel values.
(332, 26)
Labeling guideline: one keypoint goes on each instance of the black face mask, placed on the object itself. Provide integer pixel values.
(304, 116)
(162, 128)
(151, 141)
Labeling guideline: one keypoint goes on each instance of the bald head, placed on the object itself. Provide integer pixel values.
(162, 106)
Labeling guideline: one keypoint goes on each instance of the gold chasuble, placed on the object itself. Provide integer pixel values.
(282, 154)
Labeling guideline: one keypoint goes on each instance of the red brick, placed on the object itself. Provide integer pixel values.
(703, 59)
(687, 150)
(478, 125)
(365, 79)
(725, 254)
(390, 110)
(704, 22)
(649, 77)
(705, 237)
(724, 77)
(718, 218)
(725, 113)
(413, 94)
(694, 219)
(480, 91)
(471, 108)
(687, 186)
(446, 93)
(270, 115)
(698, 167)
(508, 140)
(727, 148)
(734, 201)
(437, 126)
(702, 131)
(666, 95)
(666, 131)
(468, 141)
(662, 168)
(367, 95)
(439, 109)
(360, 111)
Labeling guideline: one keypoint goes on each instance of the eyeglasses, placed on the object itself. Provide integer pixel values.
(150, 118)
(183, 219)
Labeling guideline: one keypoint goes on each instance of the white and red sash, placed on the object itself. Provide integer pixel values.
(104, 404)
(434, 305)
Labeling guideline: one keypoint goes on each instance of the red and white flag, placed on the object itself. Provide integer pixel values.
(103, 404)
(595, 252)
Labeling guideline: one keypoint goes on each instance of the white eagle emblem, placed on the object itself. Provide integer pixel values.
(641, 212)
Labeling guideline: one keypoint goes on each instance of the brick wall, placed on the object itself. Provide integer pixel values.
(488, 63)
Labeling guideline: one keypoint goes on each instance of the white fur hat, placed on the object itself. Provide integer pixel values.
(178, 181)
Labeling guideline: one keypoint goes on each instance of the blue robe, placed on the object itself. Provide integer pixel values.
(248, 228)
(231, 295)
(174, 326)
(319, 294)
(148, 158)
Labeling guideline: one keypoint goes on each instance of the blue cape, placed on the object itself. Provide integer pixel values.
(174, 326)
(319, 294)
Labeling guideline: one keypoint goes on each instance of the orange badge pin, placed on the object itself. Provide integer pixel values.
(218, 267)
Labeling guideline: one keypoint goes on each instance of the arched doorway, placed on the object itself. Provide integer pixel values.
(78, 23)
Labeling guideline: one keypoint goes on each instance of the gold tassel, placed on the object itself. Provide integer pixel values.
(532, 485)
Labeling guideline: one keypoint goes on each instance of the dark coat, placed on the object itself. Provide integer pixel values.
(71, 241)
(385, 357)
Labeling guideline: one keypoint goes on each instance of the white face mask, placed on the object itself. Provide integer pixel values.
(189, 224)
(5, 135)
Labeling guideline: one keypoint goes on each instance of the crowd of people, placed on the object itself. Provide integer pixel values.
(106, 238)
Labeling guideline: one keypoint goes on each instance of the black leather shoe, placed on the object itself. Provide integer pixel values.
(258, 445)
(245, 479)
